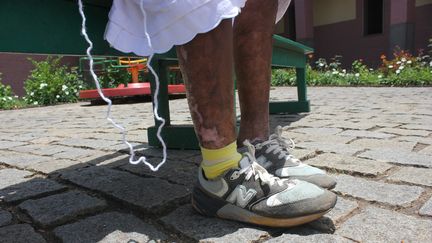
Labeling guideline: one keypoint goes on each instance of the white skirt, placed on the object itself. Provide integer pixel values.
(168, 22)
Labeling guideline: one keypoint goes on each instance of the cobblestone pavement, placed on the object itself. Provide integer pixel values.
(64, 174)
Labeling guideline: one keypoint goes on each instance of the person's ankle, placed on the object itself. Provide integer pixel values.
(217, 161)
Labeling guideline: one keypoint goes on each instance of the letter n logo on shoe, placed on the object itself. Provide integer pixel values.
(240, 196)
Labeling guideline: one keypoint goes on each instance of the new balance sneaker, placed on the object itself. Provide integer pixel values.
(250, 194)
(273, 155)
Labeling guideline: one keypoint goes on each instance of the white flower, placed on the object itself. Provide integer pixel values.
(67, 92)
(335, 72)
(321, 64)
(16, 96)
(344, 70)
(390, 66)
(32, 93)
(403, 59)
(379, 76)
(10, 98)
(64, 87)
(57, 96)
(430, 64)
(80, 86)
(397, 71)
(42, 85)
(35, 103)
(370, 69)
(342, 74)
(401, 67)
(398, 62)
(409, 62)
(357, 74)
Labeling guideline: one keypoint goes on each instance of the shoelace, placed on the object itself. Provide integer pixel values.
(256, 170)
(280, 145)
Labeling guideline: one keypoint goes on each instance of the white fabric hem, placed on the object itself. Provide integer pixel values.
(184, 30)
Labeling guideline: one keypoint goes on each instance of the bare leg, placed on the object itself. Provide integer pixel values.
(253, 30)
(206, 63)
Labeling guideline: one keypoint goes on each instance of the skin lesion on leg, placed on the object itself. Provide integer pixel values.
(206, 63)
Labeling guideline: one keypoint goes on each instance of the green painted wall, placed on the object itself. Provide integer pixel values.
(52, 27)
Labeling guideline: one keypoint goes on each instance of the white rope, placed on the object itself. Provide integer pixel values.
(123, 131)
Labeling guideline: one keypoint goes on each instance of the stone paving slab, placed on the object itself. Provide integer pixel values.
(5, 217)
(109, 228)
(427, 151)
(56, 166)
(345, 149)
(10, 144)
(352, 125)
(321, 131)
(9, 177)
(40, 149)
(20, 233)
(60, 208)
(34, 187)
(405, 132)
(89, 143)
(302, 154)
(16, 185)
(176, 171)
(398, 195)
(341, 210)
(299, 138)
(413, 175)
(382, 225)
(21, 160)
(365, 134)
(398, 157)
(426, 127)
(149, 194)
(423, 140)
(426, 209)
(322, 238)
(367, 143)
(75, 153)
(206, 229)
(349, 164)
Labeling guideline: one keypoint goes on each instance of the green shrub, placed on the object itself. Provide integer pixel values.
(402, 70)
(112, 77)
(51, 83)
(8, 100)
(281, 77)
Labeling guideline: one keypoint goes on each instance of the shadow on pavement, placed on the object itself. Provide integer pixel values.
(106, 199)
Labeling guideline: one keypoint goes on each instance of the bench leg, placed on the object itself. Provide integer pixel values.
(301, 84)
(301, 105)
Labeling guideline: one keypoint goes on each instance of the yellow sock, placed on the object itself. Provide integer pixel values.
(217, 161)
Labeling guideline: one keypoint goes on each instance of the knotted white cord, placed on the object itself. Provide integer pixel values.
(109, 102)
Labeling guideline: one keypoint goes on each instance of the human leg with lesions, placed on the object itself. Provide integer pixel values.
(231, 185)
(253, 30)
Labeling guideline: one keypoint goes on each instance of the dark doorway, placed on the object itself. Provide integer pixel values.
(373, 17)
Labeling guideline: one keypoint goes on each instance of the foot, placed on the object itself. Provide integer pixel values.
(273, 155)
(250, 194)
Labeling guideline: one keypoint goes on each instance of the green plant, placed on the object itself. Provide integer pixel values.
(51, 83)
(112, 77)
(281, 77)
(8, 100)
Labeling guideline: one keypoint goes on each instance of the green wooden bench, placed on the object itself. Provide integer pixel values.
(53, 27)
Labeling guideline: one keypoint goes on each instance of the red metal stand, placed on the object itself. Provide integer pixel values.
(131, 89)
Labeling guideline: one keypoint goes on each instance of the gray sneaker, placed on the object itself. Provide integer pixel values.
(250, 194)
(273, 155)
